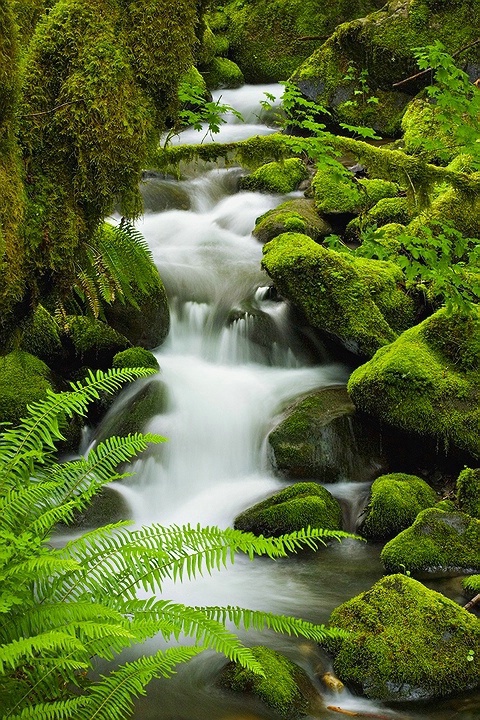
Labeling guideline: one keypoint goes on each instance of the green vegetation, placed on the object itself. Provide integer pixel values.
(222, 73)
(468, 492)
(471, 584)
(395, 502)
(437, 541)
(405, 641)
(285, 687)
(301, 505)
(24, 379)
(276, 177)
(297, 215)
(64, 607)
(135, 357)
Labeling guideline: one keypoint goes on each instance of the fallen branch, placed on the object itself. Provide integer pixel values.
(359, 714)
(473, 602)
(429, 70)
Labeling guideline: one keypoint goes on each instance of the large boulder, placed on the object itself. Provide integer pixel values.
(353, 72)
(438, 541)
(468, 491)
(297, 215)
(24, 379)
(285, 687)
(427, 381)
(322, 438)
(358, 301)
(147, 322)
(395, 502)
(406, 642)
(91, 342)
(298, 506)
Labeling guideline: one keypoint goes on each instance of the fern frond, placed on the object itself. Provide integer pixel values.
(112, 697)
(58, 710)
(14, 654)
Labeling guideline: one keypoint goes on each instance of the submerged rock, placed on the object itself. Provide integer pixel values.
(406, 642)
(323, 438)
(360, 302)
(427, 381)
(298, 506)
(285, 688)
(394, 504)
(438, 541)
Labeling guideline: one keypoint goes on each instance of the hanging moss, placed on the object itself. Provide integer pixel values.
(438, 541)
(468, 491)
(406, 642)
(395, 502)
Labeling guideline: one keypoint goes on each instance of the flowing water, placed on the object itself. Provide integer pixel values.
(232, 362)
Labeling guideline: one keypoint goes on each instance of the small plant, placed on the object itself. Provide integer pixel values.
(471, 655)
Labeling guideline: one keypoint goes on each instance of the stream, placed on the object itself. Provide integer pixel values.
(233, 361)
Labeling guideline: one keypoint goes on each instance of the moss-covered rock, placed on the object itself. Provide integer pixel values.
(322, 438)
(422, 134)
(389, 210)
(364, 58)
(437, 541)
(285, 688)
(361, 302)
(146, 325)
(133, 413)
(135, 357)
(427, 381)
(452, 207)
(297, 215)
(468, 491)
(394, 504)
(91, 342)
(41, 337)
(337, 191)
(264, 35)
(297, 506)
(24, 379)
(471, 584)
(222, 73)
(406, 642)
(276, 177)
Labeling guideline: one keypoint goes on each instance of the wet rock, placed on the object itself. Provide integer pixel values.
(108, 506)
(276, 177)
(406, 642)
(292, 216)
(323, 438)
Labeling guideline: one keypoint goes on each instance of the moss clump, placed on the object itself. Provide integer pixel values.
(291, 216)
(92, 342)
(437, 541)
(462, 210)
(422, 133)
(298, 506)
(471, 584)
(148, 323)
(389, 210)
(222, 73)
(337, 191)
(394, 504)
(41, 337)
(406, 642)
(276, 177)
(135, 357)
(468, 491)
(24, 379)
(361, 302)
(427, 381)
(285, 688)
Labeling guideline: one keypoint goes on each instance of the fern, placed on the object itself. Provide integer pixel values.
(60, 608)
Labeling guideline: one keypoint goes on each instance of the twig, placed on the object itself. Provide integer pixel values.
(474, 601)
(429, 70)
(57, 107)
(306, 38)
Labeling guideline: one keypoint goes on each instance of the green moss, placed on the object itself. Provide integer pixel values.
(24, 379)
(297, 215)
(422, 134)
(222, 73)
(462, 210)
(421, 383)
(283, 688)
(406, 642)
(345, 296)
(194, 78)
(468, 491)
(446, 505)
(390, 210)
(472, 584)
(394, 504)
(298, 506)
(208, 47)
(276, 177)
(41, 337)
(336, 191)
(135, 357)
(437, 541)
(93, 342)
